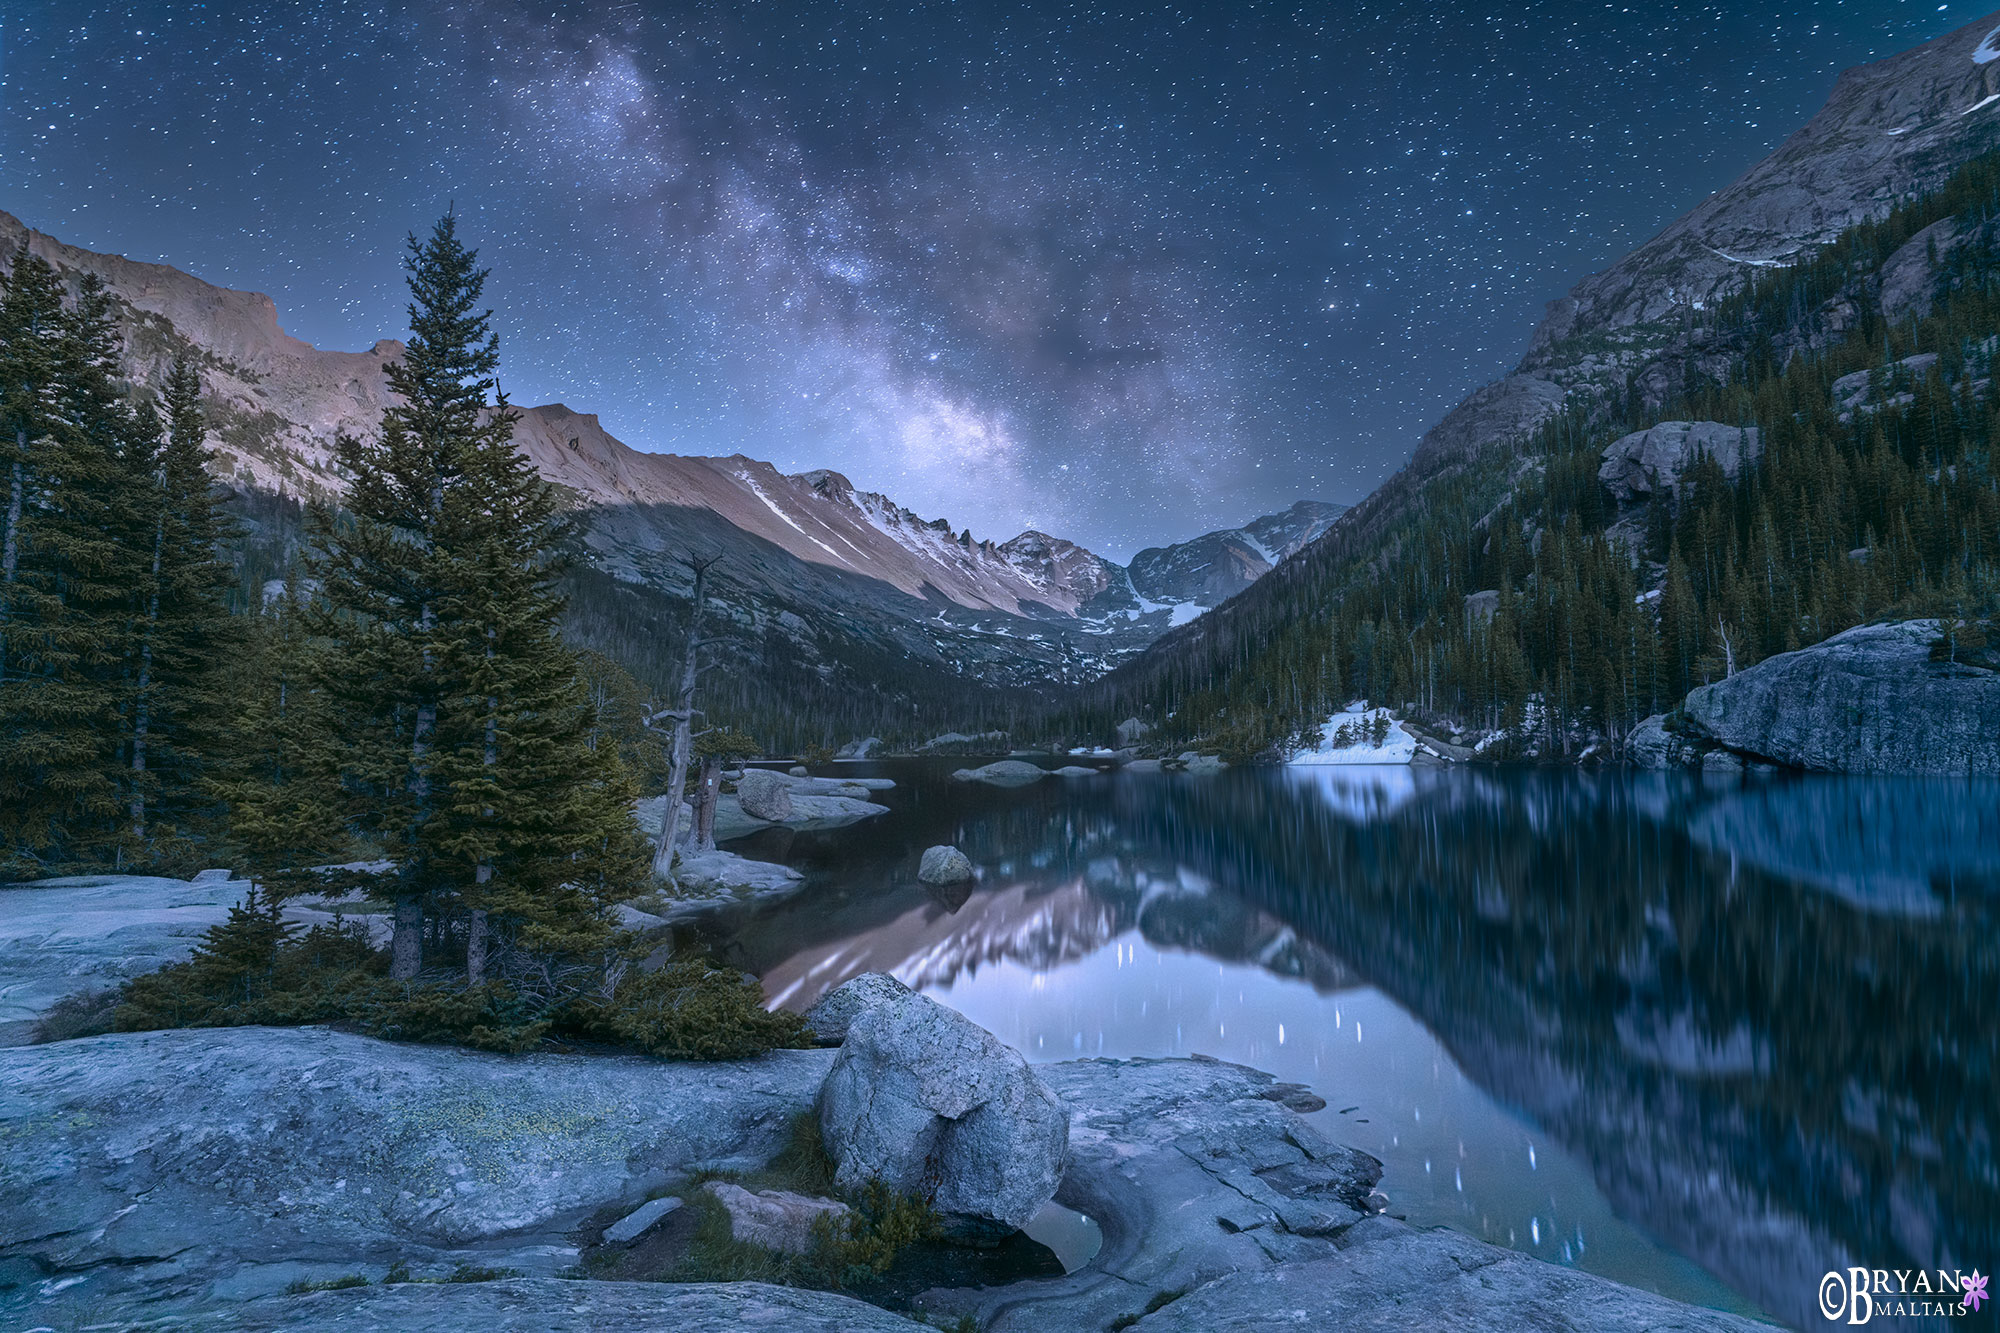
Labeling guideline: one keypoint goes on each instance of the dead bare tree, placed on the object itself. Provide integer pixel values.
(682, 715)
(707, 788)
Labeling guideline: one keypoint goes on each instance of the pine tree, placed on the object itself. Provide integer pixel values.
(465, 720)
(279, 779)
(184, 632)
(1681, 638)
(76, 553)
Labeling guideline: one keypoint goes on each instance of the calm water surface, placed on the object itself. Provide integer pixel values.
(1711, 1040)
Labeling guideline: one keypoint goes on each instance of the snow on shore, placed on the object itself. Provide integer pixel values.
(1349, 738)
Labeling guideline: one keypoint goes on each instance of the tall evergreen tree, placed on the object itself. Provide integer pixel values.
(75, 559)
(464, 724)
(184, 633)
(278, 777)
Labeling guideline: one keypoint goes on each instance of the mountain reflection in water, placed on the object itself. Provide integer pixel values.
(1753, 1022)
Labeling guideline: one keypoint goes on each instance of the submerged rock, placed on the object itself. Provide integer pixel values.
(775, 1219)
(1870, 700)
(944, 865)
(831, 1017)
(1193, 1169)
(186, 1179)
(1002, 773)
(930, 1103)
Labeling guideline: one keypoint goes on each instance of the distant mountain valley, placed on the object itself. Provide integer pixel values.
(838, 591)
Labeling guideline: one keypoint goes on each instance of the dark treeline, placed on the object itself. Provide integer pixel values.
(1891, 508)
(401, 690)
(396, 690)
(113, 618)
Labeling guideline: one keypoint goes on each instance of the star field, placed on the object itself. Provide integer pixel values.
(1121, 272)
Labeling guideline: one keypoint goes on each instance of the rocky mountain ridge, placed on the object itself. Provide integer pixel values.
(1632, 346)
(1889, 130)
(837, 572)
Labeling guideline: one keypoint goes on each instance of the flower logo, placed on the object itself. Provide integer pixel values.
(1973, 1289)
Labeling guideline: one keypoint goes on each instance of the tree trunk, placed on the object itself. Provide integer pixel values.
(708, 787)
(683, 716)
(10, 544)
(406, 951)
(142, 709)
(10, 549)
(475, 942)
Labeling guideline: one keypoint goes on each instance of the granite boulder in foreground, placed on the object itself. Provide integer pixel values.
(929, 1103)
(1870, 700)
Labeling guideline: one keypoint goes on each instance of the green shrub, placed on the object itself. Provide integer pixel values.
(803, 1165)
(692, 1010)
(84, 1014)
(255, 968)
(882, 1224)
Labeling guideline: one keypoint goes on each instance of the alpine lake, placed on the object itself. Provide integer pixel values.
(1709, 1038)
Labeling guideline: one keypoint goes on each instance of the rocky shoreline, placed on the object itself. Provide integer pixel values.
(267, 1178)
(187, 1179)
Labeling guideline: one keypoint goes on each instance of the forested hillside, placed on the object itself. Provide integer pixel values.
(1520, 594)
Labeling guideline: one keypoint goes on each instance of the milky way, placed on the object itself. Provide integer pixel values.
(1120, 273)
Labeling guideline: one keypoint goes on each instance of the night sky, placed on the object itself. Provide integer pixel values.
(1124, 273)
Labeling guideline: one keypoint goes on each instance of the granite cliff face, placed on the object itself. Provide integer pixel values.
(835, 571)
(1890, 129)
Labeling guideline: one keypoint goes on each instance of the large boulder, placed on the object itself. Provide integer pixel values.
(765, 795)
(836, 1010)
(944, 865)
(864, 748)
(1647, 462)
(1002, 773)
(1867, 701)
(930, 1103)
